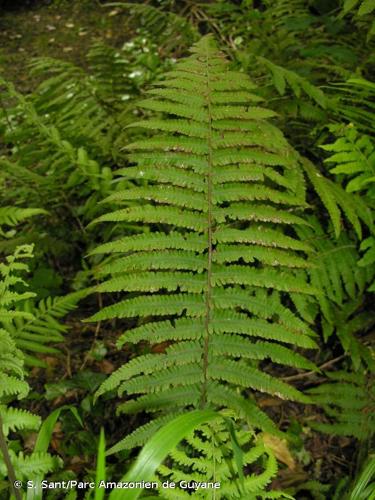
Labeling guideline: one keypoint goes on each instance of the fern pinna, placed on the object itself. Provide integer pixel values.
(220, 192)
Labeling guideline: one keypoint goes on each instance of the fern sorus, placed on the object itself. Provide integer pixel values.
(221, 193)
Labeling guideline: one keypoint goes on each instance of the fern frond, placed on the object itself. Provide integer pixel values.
(274, 257)
(363, 10)
(206, 455)
(354, 102)
(11, 216)
(175, 399)
(364, 6)
(348, 400)
(163, 25)
(236, 345)
(335, 269)
(153, 241)
(142, 261)
(12, 383)
(157, 215)
(335, 198)
(282, 76)
(47, 130)
(246, 409)
(141, 435)
(169, 195)
(354, 155)
(12, 358)
(70, 95)
(221, 195)
(260, 236)
(40, 325)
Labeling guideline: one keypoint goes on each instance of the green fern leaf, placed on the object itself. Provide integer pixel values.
(36, 464)
(335, 198)
(12, 386)
(348, 400)
(206, 456)
(39, 325)
(221, 196)
(16, 419)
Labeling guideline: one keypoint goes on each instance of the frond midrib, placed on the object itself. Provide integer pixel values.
(208, 297)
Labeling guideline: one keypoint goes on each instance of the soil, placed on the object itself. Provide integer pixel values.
(61, 29)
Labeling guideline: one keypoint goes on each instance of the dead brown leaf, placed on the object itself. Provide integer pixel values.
(280, 449)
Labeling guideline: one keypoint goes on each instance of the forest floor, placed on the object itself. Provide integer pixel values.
(63, 31)
(67, 31)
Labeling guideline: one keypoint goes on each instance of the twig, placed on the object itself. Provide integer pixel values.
(325, 365)
(68, 364)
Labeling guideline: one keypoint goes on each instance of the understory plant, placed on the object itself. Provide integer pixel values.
(235, 271)
(14, 463)
(219, 185)
(222, 277)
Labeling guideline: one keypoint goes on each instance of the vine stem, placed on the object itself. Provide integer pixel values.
(8, 463)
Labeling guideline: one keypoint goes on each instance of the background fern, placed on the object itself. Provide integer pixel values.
(171, 29)
(11, 225)
(354, 157)
(362, 10)
(347, 398)
(69, 132)
(352, 100)
(32, 333)
(32, 126)
(335, 269)
(12, 376)
(349, 401)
